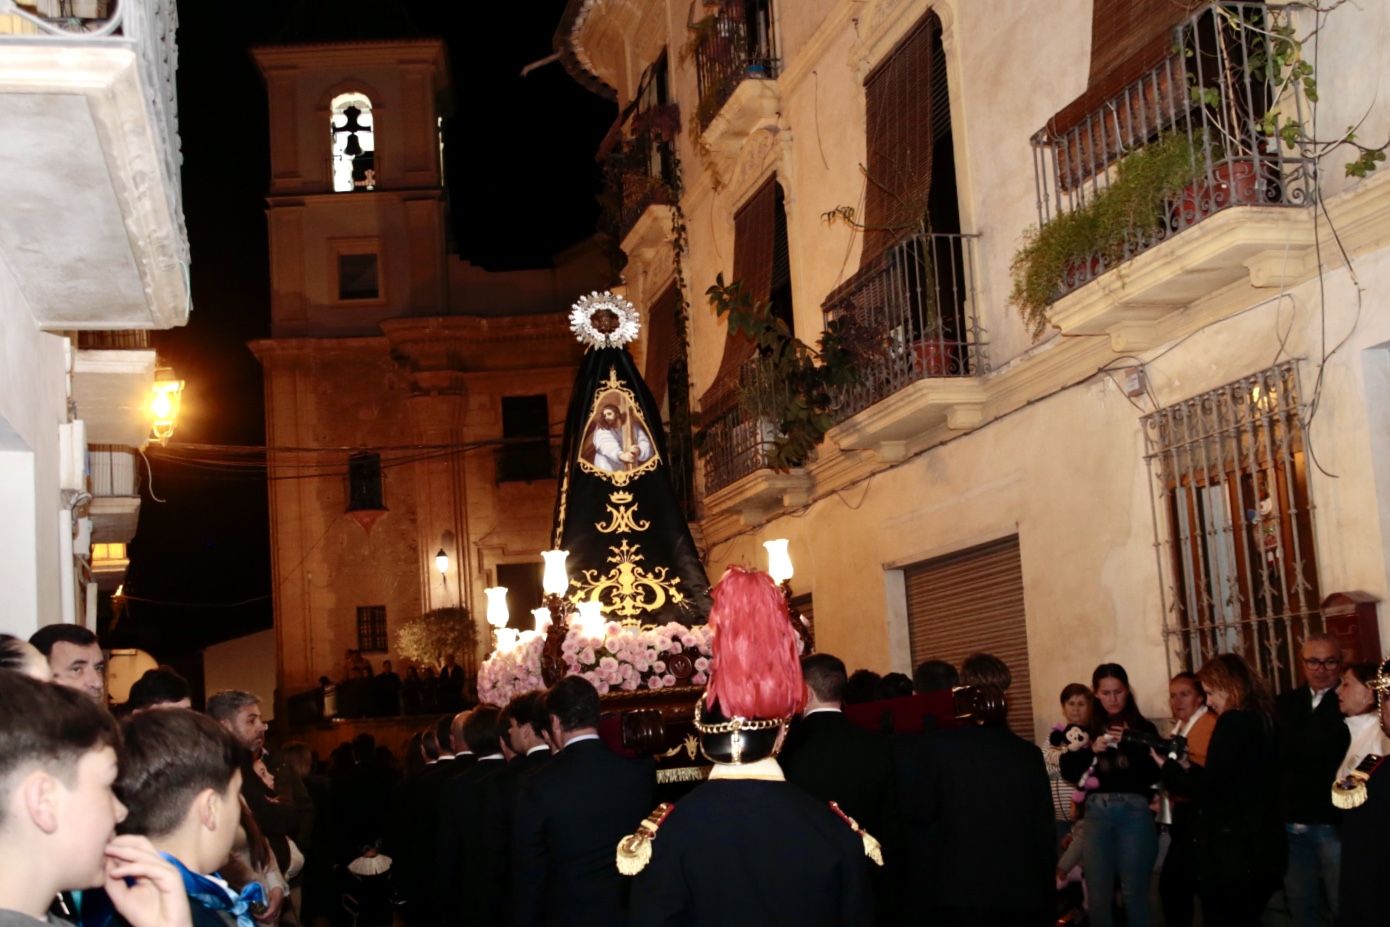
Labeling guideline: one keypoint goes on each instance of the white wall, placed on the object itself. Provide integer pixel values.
(243, 663)
(33, 403)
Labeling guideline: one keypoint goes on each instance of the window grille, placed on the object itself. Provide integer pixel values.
(1233, 524)
(371, 628)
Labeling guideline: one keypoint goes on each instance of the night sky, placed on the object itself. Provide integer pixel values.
(521, 153)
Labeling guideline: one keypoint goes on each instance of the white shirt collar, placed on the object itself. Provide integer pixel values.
(492, 756)
(767, 769)
(582, 737)
(816, 711)
(537, 749)
(1185, 727)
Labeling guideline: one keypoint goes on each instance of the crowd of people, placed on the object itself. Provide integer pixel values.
(159, 816)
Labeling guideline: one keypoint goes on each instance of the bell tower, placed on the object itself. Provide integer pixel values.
(356, 208)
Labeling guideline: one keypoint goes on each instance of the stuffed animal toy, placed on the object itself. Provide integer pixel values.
(1073, 737)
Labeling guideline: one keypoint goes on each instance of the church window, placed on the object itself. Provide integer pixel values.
(353, 141)
(364, 482)
(357, 277)
(371, 629)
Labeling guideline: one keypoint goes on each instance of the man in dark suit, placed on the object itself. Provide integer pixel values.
(487, 900)
(977, 814)
(836, 760)
(424, 806)
(570, 815)
(1314, 739)
(463, 865)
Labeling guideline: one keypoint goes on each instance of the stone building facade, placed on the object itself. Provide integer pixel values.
(1191, 455)
(395, 371)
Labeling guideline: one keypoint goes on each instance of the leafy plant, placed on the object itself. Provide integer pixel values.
(1145, 184)
(790, 385)
(435, 635)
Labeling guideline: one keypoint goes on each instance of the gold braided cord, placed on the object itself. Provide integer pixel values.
(735, 724)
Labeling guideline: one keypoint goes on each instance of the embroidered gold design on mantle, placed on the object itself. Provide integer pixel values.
(622, 517)
(628, 589)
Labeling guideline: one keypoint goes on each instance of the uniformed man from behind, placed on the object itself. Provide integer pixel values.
(747, 847)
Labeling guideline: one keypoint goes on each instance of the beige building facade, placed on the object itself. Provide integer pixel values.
(1189, 458)
(409, 394)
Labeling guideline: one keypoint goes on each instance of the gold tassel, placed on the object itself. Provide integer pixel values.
(872, 848)
(1349, 793)
(635, 850)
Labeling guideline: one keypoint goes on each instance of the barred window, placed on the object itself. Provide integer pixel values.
(371, 628)
(1235, 525)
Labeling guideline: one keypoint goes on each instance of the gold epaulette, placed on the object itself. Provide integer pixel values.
(872, 848)
(635, 850)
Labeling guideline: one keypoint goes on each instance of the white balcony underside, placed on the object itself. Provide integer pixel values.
(1129, 303)
(86, 225)
(112, 392)
(114, 518)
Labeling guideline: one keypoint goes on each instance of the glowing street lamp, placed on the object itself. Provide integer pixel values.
(166, 394)
(441, 562)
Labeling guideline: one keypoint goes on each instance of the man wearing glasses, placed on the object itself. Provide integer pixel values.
(1313, 743)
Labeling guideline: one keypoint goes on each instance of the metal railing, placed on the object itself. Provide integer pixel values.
(912, 312)
(733, 43)
(1233, 524)
(1212, 95)
(735, 440)
(638, 174)
(146, 26)
(136, 339)
(113, 470)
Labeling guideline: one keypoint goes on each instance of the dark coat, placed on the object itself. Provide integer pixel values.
(1313, 743)
(750, 852)
(458, 853)
(487, 875)
(836, 760)
(1365, 861)
(976, 810)
(1240, 838)
(570, 815)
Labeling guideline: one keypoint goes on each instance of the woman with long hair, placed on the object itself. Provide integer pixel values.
(1241, 850)
(1121, 839)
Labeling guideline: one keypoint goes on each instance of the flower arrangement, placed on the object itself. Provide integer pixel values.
(614, 657)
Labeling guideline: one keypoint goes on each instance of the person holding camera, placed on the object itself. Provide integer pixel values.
(1241, 852)
(1194, 722)
(1121, 838)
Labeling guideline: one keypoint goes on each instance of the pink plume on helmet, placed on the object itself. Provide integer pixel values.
(756, 670)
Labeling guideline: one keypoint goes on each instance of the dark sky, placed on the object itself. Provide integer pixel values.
(522, 150)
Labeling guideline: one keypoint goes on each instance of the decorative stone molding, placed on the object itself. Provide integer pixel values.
(761, 494)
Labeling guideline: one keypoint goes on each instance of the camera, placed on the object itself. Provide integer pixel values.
(1175, 747)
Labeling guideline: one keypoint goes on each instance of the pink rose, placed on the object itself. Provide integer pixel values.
(668, 680)
(654, 683)
(701, 664)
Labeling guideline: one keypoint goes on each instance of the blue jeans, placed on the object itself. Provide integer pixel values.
(1315, 863)
(1121, 841)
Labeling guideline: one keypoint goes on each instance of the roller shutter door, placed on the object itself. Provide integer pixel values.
(972, 601)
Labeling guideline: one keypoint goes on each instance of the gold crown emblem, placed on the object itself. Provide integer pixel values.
(620, 498)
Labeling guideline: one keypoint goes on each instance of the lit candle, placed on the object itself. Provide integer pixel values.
(555, 580)
(779, 561)
(506, 640)
(590, 618)
(542, 616)
(497, 614)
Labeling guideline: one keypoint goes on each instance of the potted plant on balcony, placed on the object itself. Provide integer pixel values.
(791, 389)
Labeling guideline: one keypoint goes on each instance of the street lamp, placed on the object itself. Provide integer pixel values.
(166, 395)
(441, 562)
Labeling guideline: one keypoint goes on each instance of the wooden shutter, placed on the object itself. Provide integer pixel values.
(754, 226)
(970, 602)
(661, 342)
(898, 103)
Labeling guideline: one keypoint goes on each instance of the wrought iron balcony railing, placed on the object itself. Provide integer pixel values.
(638, 174)
(732, 44)
(145, 26)
(913, 311)
(1210, 97)
(735, 440)
(113, 470)
(136, 339)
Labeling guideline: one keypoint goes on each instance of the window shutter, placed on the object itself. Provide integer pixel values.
(754, 225)
(899, 105)
(970, 602)
(661, 342)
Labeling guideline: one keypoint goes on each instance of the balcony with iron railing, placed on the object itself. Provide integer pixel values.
(639, 173)
(913, 311)
(114, 482)
(736, 69)
(92, 127)
(1227, 195)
